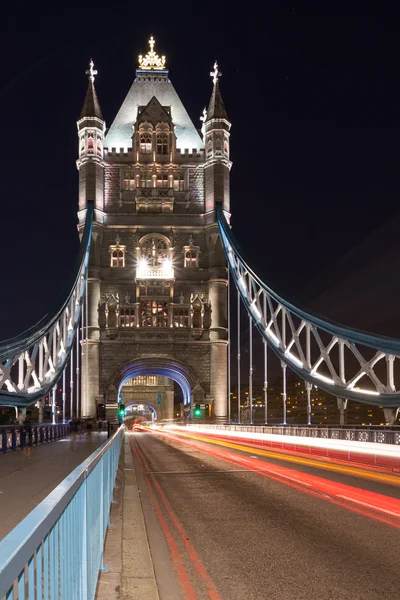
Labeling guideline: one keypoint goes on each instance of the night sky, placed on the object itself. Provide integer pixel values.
(313, 99)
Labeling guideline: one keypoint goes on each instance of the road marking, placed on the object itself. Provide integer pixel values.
(384, 510)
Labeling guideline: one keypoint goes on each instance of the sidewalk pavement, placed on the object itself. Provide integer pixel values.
(127, 553)
(24, 482)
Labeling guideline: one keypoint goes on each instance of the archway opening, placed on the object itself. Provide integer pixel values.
(151, 383)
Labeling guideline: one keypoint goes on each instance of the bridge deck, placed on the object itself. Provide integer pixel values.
(24, 482)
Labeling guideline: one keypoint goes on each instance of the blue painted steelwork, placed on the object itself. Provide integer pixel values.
(58, 548)
(32, 362)
(291, 332)
(38, 434)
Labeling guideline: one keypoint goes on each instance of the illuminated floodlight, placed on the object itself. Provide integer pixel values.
(167, 268)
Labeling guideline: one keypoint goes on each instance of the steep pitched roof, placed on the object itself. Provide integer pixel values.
(142, 91)
(91, 105)
(216, 108)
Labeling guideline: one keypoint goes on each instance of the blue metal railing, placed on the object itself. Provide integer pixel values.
(56, 552)
(18, 436)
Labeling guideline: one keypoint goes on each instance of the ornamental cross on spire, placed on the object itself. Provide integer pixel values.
(91, 72)
(151, 60)
(215, 73)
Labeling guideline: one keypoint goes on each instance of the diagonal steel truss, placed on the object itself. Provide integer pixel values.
(345, 362)
(32, 363)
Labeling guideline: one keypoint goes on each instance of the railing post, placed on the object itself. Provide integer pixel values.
(84, 565)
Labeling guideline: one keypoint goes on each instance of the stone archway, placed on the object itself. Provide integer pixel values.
(173, 369)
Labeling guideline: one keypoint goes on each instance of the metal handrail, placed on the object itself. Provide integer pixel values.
(59, 545)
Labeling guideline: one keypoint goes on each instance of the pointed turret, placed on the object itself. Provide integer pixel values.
(91, 128)
(91, 106)
(216, 127)
(216, 108)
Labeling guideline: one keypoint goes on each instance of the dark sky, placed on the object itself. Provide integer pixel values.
(313, 98)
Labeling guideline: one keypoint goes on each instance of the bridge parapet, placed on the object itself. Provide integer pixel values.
(57, 550)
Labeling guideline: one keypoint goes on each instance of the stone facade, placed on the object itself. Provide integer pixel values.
(157, 288)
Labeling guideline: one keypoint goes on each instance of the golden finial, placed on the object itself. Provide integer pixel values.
(151, 60)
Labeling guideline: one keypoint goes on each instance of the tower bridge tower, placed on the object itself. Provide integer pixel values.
(157, 285)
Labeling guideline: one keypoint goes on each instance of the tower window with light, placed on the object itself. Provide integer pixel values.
(129, 181)
(146, 179)
(179, 181)
(145, 143)
(117, 256)
(154, 313)
(191, 258)
(162, 143)
(162, 180)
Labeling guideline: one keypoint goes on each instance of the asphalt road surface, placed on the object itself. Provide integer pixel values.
(238, 524)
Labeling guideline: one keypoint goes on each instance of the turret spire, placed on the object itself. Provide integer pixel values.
(216, 108)
(91, 106)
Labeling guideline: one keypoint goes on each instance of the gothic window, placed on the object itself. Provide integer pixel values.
(127, 317)
(191, 255)
(154, 313)
(99, 145)
(155, 250)
(90, 143)
(129, 181)
(179, 181)
(162, 180)
(162, 143)
(145, 143)
(117, 254)
(181, 317)
(146, 179)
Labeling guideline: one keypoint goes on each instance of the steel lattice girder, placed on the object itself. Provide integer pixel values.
(32, 363)
(306, 342)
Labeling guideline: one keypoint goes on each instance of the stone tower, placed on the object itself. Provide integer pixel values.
(157, 288)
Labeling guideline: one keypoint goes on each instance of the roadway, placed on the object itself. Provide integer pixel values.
(237, 522)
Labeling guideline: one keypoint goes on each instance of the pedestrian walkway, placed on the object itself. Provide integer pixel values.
(25, 482)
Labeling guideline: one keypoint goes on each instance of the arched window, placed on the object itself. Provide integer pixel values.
(155, 250)
(162, 143)
(191, 258)
(90, 143)
(145, 143)
(99, 145)
(154, 313)
(117, 254)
